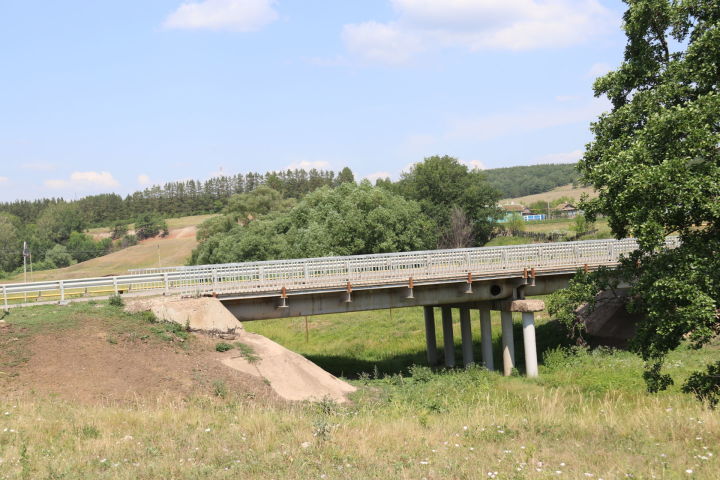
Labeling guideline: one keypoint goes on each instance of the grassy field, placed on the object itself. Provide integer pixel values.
(587, 416)
(171, 251)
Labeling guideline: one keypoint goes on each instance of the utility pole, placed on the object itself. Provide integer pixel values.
(26, 254)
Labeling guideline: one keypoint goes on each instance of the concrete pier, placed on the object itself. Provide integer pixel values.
(486, 338)
(448, 340)
(508, 343)
(430, 337)
(531, 364)
(466, 333)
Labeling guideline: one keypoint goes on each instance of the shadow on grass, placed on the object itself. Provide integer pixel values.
(549, 336)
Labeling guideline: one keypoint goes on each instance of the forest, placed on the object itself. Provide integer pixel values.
(277, 214)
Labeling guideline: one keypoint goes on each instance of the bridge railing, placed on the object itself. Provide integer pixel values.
(332, 272)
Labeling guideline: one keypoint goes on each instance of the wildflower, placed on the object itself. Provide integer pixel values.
(424, 462)
(207, 430)
(689, 471)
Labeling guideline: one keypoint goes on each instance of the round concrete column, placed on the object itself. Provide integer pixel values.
(466, 332)
(531, 363)
(508, 343)
(448, 340)
(430, 339)
(486, 338)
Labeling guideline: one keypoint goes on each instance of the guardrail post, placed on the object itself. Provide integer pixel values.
(62, 292)
(167, 283)
(115, 285)
(305, 271)
(7, 309)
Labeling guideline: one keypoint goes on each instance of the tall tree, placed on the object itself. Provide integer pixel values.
(655, 161)
(441, 184)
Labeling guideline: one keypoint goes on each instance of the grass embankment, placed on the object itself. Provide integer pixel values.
(588, 416)
(173, 250)
(562, 191)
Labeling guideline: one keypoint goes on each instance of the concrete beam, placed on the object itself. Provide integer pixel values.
(520, 306)
(430, 337)
(448, 340)
(333, 301)
(466, 333)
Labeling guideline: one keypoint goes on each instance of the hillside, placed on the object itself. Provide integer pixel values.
(528, 180)
(567, 190)
(169, 251)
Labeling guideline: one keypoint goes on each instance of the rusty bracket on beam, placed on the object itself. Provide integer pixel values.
(411, 286)
(348, 293)
(283, 298)
(468, 288)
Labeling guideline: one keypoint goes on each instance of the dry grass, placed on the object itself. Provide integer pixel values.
(587, 416)
(171, 251)
(562, 191)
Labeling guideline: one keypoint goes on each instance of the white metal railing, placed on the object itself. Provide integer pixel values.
(334, 272)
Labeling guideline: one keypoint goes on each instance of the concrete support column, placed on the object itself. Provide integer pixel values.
(448, 336)
(466, 332)
(531, 363)
(430, 339)
(508, 351)
(486, 338)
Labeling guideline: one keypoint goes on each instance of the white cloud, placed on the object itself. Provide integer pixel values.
(39, 166)
(497, 125)
(233, 15)
(143, 179)
(308, 165)
(599, 69)
(473, 164)
(85, 181)
(4, 179)
(373, 177)
(423, 25)
(566, 157)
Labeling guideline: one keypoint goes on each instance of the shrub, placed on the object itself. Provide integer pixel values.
(150, 225)
(219, 388)
(128, 241)
(59, 256)
(223, 347)
(118, 231)
(116, 301)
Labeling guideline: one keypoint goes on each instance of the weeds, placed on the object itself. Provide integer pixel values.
(116, 301)
(223, 347)
(219, 388)
(247, 352)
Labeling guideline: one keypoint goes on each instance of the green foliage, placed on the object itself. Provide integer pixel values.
(149, 225)
(128, 241)
(82, 247)
(261, 201)
(58, 221)
(529, 180)
(356, 219)
(118, 230)
(440, 183)
(350, 219)
(223, 347)
(656, 165)
(705, 385)
(345, 176)
(219, 388)
(581, 225)
(59, 256)
(515, 223)
(116, 301)
(247, 352)
(11, 250)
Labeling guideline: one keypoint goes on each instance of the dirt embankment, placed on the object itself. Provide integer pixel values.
(291, 376)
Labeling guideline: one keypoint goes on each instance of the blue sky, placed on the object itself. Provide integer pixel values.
(113, 96)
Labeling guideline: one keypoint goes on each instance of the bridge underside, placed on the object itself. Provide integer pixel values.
(503, 294)
(450, 293)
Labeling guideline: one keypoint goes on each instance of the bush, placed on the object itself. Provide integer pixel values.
(116, 301)
(118, 231)
(705, 385)
(149, 225)
(59, 256)
(128, 241)
(223, 347)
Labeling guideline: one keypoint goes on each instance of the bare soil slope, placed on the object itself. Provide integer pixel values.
(95, 361)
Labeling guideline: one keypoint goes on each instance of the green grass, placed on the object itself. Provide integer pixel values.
(588, 413)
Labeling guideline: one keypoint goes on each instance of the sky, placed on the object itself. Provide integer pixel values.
(115, 96)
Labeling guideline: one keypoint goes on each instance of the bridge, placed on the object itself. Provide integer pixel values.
(482, 279)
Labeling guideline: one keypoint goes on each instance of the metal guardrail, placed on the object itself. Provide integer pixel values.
(333, 272)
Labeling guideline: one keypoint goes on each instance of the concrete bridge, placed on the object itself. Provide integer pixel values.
(466, 280)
